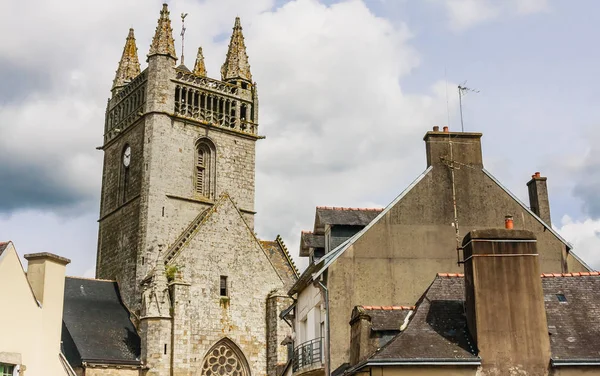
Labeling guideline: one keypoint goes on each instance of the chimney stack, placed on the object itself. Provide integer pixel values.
(46, 275)
(538, 197)
(505, 303)
(463, 147)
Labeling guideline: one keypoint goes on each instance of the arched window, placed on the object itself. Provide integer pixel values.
(204, 174)
(225, 359)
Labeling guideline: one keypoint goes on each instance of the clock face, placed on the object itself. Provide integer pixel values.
(127, 156)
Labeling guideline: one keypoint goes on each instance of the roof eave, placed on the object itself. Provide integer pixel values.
(574, 362)
(415, 362)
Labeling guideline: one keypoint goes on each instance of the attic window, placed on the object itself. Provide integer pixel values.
(223, 286)
(561, 298)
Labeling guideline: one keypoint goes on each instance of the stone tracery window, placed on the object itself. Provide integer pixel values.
(205, 174)
(225, 359)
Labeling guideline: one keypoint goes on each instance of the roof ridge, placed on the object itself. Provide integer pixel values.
(575, 274)
(348, 208)
(91, 279)
(543, 275)
(388, 308)
(279, 240)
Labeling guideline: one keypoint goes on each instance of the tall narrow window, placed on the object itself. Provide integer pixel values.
(204, 174)
(223, 286)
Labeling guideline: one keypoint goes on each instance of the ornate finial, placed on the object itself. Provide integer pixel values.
(183, 16)
(163, 43)
(129, 66)
(199, 67)
(236, 63)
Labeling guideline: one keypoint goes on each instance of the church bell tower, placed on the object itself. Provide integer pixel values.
(175, 140)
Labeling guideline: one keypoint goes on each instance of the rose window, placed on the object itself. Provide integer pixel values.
(223, 360)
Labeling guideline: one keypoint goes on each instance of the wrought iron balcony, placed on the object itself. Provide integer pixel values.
(308, 353)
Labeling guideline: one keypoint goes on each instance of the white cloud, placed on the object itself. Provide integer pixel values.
(340, 130)
(585, 237)
(464, 14)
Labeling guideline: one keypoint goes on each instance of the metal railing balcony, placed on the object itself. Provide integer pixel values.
(308, 353)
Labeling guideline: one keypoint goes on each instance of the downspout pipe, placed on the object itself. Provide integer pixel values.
(326, 292)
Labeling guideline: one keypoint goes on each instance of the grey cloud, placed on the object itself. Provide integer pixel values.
(17, 82)
(30, 185)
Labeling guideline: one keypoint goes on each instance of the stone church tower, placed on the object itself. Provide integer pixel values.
(177, 214)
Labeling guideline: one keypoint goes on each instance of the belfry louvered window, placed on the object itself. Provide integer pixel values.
(204, 174)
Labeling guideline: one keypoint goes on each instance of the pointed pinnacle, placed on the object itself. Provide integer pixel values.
(129, 65)
(236, 63)
(199, 67)
(163, 43)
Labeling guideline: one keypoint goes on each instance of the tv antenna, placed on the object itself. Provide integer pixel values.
(462, 91)
(183, 16)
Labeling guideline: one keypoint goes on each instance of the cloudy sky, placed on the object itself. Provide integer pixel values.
(347, 90)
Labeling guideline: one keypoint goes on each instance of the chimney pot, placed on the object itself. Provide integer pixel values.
(446, 129)
(537, 174)
(508, 222)
(436, 128)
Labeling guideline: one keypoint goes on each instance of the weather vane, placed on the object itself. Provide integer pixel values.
(462, 91)
(183, 16)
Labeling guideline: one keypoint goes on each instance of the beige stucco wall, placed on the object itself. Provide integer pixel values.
(110, 371)
(424, 371)
(469, 371)
(395, 261)
(33, 332)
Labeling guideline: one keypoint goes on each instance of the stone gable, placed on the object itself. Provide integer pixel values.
(225, 246)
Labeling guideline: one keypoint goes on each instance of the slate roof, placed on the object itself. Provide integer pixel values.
(437, 330)
(387, 318)
(3, 246)
(326, 215)
(309, 240)
(281, 260)
(96, 324)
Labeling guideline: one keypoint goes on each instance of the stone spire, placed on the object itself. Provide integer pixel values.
(129, 66)
(199, 67)
(162, 43)
(236, 63)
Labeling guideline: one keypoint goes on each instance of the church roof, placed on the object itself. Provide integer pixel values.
(129, 65)
(281, 260)
(163, 43)
(96, 324)
(236, 63)
(437, 330)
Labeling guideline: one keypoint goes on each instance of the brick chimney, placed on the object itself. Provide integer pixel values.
(463, 147)
(361, 345)
(505, 303)
(538, 197)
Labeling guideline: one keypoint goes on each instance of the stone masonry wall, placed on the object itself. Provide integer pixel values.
(224, 246)
(118, 235)
(277, 331)
(111, 371)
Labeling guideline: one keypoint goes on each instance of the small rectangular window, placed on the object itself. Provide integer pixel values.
(561, 298)
(6, 370)
(223, 286)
